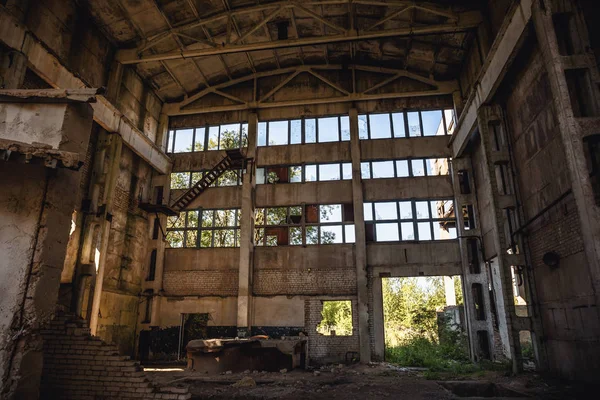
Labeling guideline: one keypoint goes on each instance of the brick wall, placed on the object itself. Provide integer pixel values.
(288, 281)
(80, 366)
(312, 270)
(201, 283)
(328, 349)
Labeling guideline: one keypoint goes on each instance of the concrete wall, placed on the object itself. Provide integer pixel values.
(567, 300)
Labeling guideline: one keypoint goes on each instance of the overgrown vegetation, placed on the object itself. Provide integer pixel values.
(337, 316)
(411, 326)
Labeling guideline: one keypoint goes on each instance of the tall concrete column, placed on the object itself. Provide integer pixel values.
(474, 275)
(110, 183)
(246, 262)
(495, 153)
(159, 245)
(36, 203)
(449, 291)
(360, 246)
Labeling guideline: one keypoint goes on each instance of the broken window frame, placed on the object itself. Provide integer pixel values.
(411, 172)
(448, 121)
(343, 135)
(263, 172)
(261, 237)
(183, 227)
(192, 180)
(372, 221)
(203, 132)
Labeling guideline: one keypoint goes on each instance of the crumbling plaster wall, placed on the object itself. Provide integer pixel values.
(36, 204)
(127, 254)
(567, 301)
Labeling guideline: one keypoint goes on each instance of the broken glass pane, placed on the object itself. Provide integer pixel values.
(386, 211)
(414, 126)
(310, 130)
(183, 140)
(387, 232)
(363, 127)
(380, 126)
(398, 122)
(329, 172)
(328, 130)
(432, 123)
(278, 133)
(383, 169)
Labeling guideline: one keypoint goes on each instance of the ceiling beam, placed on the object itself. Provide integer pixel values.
(461, 22)
(183, 107)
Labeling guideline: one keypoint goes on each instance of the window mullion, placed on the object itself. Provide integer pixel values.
(415, 218)
(267, 124)
(194, 140)
(444, 122)
(405, 117)
(421, 124)
(391, 125)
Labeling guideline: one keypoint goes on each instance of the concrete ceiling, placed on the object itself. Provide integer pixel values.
(184, 46)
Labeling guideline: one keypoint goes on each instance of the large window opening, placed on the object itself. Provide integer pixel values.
(424, 323)
(204, 228)
(337, 318)
(307, 224)
(303, 131)
(410, 220)
(406, 124)
(218, 137)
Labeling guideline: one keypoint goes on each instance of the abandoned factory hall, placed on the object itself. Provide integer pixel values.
(318, 199)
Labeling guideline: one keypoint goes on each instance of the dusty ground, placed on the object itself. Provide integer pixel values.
(375, 381)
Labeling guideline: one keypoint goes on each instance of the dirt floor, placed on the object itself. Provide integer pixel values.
(373, 381)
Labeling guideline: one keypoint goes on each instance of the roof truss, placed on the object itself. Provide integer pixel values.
(194, 104)
(235, 41)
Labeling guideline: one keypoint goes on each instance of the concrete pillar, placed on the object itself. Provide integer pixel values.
(360, 246)
(473, 266)
(160, 245)
(36, 204)
(449, 291)
(244, 304)
(13, 66)
(495, 154)
(111, 175)
(115, 79)
(378, 320)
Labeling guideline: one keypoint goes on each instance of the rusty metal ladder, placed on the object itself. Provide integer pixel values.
(234, 159)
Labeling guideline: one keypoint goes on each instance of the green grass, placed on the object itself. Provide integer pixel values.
(423, 352)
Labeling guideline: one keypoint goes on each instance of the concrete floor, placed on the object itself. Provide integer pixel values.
(374, 381)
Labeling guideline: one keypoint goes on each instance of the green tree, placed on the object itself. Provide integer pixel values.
(337, 316)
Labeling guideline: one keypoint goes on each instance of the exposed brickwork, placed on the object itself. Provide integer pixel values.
(557, 230)
(201, 283)
(328, 349)
(289, 281)
(80, 366)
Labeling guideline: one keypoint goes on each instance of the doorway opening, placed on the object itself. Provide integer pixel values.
(424, 322)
